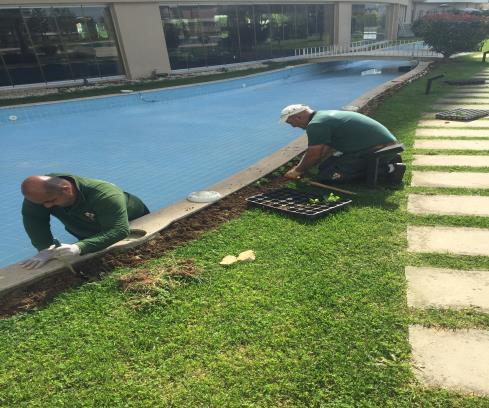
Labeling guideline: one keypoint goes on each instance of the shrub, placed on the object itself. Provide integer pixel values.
(449, 33)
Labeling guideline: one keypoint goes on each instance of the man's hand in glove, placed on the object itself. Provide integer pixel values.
(40, 259)
(66, 250)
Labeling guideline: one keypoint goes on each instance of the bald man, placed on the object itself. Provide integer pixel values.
(94, 211)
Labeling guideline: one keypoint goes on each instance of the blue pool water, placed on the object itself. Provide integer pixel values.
(161, 145)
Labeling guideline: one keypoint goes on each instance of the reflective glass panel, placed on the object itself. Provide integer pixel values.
(47, 45)
(216, 35)
(368, 22)
(263, 36)
(17, 50)
(247, 40)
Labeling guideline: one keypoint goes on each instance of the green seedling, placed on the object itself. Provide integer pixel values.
(291, 184)
(331, 198)
(314, 201)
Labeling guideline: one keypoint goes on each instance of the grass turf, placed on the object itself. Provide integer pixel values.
(319, 319)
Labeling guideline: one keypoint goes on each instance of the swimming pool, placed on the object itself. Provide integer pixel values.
(161, 145)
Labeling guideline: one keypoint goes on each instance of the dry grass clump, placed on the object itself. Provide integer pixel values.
(153, 286)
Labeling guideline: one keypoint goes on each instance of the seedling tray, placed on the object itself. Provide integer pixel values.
(462, 114)
(295, 203)
(466, 82)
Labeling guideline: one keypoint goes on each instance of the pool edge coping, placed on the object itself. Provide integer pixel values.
(14, 276)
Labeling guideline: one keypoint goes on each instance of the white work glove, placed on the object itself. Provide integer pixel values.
(66, 250)
(40, 259)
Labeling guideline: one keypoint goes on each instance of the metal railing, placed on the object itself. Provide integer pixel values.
(402, 48)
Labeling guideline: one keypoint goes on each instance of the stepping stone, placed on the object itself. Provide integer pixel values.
(448, 240)
(467, 93)
(448, 205)
(452, 144)
(457, 179)
(453, 124)
(451, 160)
(460, 99)
(452, 132)
(454, 360)
(442, 107)
(447, 288)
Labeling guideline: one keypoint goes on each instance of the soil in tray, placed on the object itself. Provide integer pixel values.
(296, 203)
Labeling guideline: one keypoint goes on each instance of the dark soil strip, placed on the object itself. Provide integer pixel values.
(178, 233)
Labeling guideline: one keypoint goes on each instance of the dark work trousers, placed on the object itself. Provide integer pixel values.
(352, 166)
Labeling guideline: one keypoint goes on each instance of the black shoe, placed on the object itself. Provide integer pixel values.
(396, 176)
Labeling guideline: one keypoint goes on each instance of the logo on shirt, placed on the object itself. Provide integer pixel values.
(90, 216)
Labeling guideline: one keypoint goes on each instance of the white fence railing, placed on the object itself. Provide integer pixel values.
(404, 48)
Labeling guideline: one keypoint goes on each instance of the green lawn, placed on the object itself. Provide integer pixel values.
(319, 319)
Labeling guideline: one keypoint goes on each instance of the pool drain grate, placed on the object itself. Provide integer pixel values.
(296, 204)
(462, 114)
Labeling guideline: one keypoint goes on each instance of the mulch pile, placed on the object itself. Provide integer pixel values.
(178, 233)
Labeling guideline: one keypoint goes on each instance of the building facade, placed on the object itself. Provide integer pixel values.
(64, 40)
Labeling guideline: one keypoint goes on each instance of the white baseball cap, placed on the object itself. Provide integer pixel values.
(291, 110)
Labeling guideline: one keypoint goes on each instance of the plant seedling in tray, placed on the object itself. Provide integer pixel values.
(298, 204)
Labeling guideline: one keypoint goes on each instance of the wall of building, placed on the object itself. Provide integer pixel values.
(148, 37)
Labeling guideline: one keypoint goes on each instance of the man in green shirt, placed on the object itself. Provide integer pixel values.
(94, 211)
(340, 141)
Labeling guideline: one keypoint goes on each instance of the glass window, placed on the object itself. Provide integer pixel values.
(368, 22)
(17, 50)
(216, 35)
(247, 41)
(263, 49)
(47, 44)
(277, 21)
(42, 44)
(5, 79)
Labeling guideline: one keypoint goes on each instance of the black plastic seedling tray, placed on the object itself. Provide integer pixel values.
(462, 114)
(466, 82)
(296, 203)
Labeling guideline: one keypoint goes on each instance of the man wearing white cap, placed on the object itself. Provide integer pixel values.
(339, 141)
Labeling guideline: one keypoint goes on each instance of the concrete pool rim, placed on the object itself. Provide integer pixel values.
(143, 229)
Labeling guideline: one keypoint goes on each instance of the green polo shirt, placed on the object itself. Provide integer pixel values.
(348, 132)
(99, 218)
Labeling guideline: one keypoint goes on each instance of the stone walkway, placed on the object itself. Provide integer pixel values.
(457, 360)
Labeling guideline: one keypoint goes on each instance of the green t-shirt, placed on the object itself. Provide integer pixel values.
(99, 218)
(345, 131)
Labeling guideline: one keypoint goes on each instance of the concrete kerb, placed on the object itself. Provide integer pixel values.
(143, 229)
(361, 102)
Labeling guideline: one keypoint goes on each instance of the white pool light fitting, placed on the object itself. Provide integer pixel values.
(204, 196)
(12, 118)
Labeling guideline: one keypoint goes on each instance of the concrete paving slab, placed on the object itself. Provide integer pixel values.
(429, 123)
(447, 144)
(461, 99)
(456, 179)
(448, 240)
(474, 90)
(455, 133)
(438, 107)
(450, 160)
(447, 288)
(454, 360)
(448, 205)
